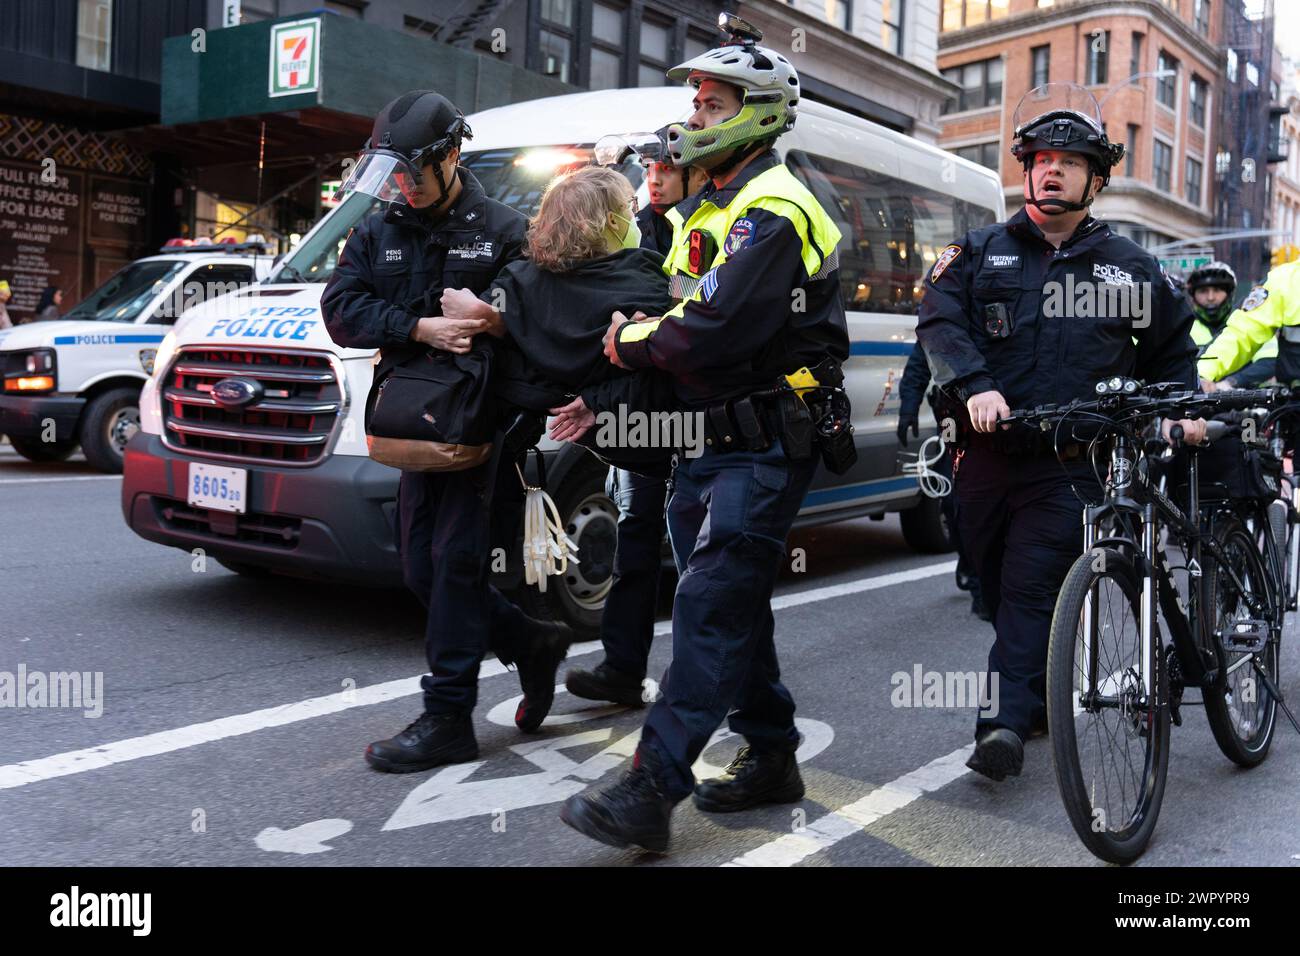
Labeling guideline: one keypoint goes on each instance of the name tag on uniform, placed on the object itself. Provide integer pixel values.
(1001, 261)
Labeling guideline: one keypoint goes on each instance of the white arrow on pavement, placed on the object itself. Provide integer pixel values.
(308, 838)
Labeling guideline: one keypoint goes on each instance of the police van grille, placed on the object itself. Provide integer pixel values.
(290, 424)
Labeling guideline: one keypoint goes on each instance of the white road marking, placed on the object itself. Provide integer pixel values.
(308, 838)
(830, 829)
(167, 741)
(31, 481)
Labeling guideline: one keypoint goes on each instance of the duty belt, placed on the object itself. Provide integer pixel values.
(742, 424)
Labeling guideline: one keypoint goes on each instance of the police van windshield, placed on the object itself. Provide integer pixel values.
(124, 296)
(516, 177)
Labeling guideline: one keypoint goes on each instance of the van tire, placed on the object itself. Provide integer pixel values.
(578, 597)
(925, 528)
(109, 419)
(43, 451)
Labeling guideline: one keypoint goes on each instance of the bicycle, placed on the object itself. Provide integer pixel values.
(1112, 685)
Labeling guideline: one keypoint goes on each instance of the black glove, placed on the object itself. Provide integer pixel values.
(908, 420)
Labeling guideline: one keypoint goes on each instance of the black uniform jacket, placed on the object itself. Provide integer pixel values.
(555, 323)
(397, 261)
(1003, 309)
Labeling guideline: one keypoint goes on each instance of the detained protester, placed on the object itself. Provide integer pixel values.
(628, 619)
(583, 261)
(1211, 288)
(911, 388)
(438, 229)
(728, 346)
(999, 335)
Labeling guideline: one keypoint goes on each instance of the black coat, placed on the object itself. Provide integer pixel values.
(397, 261)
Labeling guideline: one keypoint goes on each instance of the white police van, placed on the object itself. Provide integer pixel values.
(281, 481)
(76, 380)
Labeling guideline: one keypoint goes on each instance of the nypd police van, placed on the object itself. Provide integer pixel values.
(76, 381)
(251, 443)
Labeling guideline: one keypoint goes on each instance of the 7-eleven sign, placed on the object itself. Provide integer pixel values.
(295, 57)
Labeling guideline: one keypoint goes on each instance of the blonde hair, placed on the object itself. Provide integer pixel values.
(570, 223)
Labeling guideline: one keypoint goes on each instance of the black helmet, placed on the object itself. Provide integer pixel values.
(1068, 131)
(1216, 275)
(417, 128)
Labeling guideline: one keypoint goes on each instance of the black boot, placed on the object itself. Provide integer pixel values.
(977, 605)
(605, 683)
(756, 776)
(431, 741)
(631, 812)
(999, 753)
(537, 668)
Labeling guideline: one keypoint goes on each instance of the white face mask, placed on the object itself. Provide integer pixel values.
(631, 238)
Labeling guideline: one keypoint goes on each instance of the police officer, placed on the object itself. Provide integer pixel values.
(760, 253)
(628, 620)
(437, 229)
(994, 335)
(1270, 310)
(1211, 288)
(912, 387)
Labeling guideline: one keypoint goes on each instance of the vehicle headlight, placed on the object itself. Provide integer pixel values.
(32, 370)
(162, 357)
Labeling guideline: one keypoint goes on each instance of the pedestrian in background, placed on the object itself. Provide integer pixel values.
(5, 296)
(51, 300)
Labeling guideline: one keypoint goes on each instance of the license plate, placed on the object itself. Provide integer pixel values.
(221, 489)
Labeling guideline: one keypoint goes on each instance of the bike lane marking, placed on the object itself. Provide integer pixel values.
(826, 831)
(182, 738)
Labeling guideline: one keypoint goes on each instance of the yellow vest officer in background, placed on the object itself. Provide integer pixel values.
(1271, 309)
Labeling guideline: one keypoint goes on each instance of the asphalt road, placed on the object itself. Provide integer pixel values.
(235, 713)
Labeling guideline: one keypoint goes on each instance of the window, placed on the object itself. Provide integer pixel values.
(837, 13)
(1097, 43)
(608, 38)
(95, 34)
(656, 53)
(1135, 55)
(1198, 93)
(556, 40)
(986, 154)
(1201, 15)
(1232, 65)
(1130, 149)
(893, 230)
(696, 44)
(1162, 163)
(969, 13)
(980, 82)
(1192, 181)
(1040, 65)
(1167, 86)
(891, 26)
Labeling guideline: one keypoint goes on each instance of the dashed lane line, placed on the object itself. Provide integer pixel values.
(181, 738)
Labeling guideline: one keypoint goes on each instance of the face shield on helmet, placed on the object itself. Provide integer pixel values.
(1063, 117)
(393, 175)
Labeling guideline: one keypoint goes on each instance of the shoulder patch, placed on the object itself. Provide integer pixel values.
(1255, 299)
(742, 230)
(944, 260)
(1169, 281)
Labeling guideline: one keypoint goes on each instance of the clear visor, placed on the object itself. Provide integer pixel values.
(617, 148)
(1051, 97)
(383, 174)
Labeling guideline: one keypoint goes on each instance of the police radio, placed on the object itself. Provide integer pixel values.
(700, 250)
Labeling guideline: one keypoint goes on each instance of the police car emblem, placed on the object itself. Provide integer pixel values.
(742, 230)
(1255, 299)
(944, 260)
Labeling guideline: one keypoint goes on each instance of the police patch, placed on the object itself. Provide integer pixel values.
(944, 260)
(1255, 299)
(742, 230)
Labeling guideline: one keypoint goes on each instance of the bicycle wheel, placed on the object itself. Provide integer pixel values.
(1241, 711)
(1110, 746)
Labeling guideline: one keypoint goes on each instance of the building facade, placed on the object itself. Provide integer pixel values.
(1180, 84)
(1285, 219)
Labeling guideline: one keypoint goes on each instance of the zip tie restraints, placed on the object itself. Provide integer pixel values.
(547, 549)
(933, 483)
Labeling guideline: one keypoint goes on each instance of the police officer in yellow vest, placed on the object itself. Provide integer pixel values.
(1210, 290)
(1271, 309)
(756, 268)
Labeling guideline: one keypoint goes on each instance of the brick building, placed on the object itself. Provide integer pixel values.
(996, 50)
